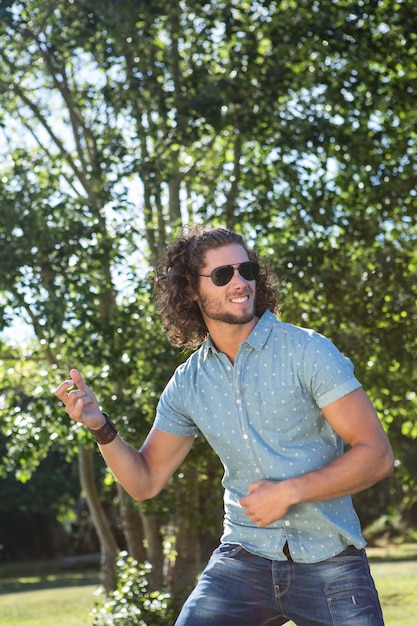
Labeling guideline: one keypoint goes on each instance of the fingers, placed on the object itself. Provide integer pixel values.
(77, 404)
(258, 504)
(79, 400)
(251, 489)
(62, 390)
(75, 394)
(78, 379)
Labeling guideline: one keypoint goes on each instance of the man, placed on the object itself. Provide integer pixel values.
(275, 402)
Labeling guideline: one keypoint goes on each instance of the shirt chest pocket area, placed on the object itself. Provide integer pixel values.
(279, 410)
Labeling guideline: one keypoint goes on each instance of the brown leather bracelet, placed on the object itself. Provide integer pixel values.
(106, 433)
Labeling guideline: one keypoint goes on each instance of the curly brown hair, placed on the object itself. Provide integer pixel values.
(177, 281)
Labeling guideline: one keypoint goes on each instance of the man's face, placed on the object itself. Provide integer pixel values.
(233, 303)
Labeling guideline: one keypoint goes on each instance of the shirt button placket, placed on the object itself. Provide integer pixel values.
(241, 413)
(243, 420)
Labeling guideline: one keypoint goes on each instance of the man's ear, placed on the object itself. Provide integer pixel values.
(192, 293)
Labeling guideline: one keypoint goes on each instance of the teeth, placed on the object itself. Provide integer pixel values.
(241, 299)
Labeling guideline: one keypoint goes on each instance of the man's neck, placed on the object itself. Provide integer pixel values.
(228, 337)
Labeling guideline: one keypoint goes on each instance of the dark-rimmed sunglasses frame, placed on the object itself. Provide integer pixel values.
(223, 274)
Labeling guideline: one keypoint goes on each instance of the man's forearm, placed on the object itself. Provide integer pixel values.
(359, 468)
(145, 472)
(129, 468)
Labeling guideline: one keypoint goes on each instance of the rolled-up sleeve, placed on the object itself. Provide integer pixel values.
(327, 373)
(171, 414)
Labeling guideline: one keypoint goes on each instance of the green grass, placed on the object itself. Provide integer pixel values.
(40, 594)
(395, 573)
(69, 606)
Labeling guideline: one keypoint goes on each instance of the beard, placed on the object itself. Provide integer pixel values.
(213, 310)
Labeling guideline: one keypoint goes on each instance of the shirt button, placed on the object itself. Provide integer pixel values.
(245, 436)
(257, 470)
(238, 401)
(287, 523)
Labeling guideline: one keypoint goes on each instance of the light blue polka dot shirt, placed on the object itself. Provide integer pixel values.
(262, 416)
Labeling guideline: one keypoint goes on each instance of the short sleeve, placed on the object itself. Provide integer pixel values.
(171, 413)
(327, 373)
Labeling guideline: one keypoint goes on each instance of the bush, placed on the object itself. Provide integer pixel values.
(132, 603)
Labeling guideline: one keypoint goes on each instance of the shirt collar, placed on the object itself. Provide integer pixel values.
(256, 339)
(260, 333)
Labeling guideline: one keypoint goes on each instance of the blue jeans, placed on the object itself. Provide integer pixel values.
(238, 588)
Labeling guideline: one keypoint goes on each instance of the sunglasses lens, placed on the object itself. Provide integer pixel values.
(249, 270)
(222, 275)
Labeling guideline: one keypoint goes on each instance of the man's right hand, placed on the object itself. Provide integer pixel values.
(80, 403)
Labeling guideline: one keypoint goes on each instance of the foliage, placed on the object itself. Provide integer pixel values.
(292, 122)
(132, 602)
(41, 504)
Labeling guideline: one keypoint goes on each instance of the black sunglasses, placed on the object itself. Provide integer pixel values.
(222, 275)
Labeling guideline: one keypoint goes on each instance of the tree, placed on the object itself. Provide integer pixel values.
(122, 120)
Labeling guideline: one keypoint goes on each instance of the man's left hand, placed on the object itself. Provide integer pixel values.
(266, 502)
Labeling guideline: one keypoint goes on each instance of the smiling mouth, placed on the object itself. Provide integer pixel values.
(240, 299)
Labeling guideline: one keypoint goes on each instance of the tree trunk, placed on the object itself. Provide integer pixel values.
(132, 526)
(187, 545)
(108, 546)
(155, 552)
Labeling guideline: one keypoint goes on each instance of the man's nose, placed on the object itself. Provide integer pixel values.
(237, 277)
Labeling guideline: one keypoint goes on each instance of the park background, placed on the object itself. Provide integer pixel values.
(292, 122)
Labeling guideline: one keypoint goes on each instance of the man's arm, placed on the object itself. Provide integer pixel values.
(142, 473)
(368, 460)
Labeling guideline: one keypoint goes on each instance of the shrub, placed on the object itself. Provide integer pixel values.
(132, 603)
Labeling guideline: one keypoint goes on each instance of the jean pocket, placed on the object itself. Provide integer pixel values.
(354, 604)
